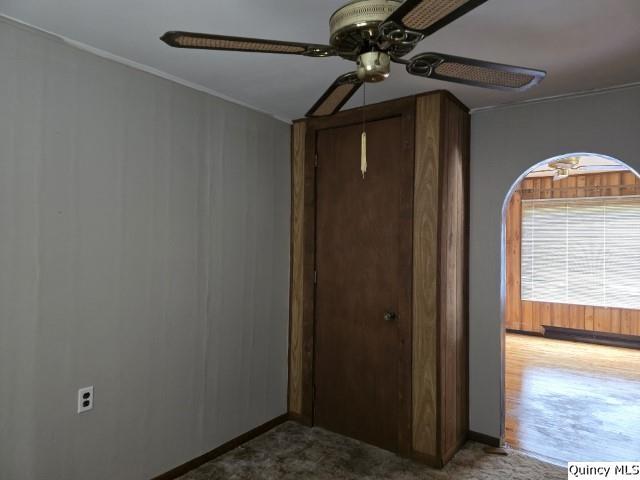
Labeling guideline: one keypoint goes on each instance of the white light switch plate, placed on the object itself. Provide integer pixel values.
(85, 399)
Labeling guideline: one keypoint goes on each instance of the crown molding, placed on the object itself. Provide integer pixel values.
(553, 98)
(135, 65)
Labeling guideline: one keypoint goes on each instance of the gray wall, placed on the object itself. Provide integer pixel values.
(144, 244)
(504, 144)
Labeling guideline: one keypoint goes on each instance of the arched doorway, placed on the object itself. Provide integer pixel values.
(571, 310)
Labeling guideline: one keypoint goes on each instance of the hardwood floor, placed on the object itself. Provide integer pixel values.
(571, 401)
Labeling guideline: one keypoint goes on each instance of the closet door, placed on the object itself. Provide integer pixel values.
(363, 290)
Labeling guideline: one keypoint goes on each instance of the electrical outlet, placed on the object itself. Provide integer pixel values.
(85, 399)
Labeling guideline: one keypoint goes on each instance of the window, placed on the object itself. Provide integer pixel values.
(583, 251)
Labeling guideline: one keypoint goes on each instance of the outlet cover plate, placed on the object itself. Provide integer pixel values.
(85, 399)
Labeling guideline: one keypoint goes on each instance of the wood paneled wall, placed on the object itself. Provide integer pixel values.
(440, 296)
(533, 316)
(536, 315)
(425, 283)
(453, 277)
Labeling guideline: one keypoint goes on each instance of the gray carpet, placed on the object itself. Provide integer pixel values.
(292, 451)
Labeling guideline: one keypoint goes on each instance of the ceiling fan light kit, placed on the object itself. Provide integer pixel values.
(564, 166)
(373, 34)
(373, 66)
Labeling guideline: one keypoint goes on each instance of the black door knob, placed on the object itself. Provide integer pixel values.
(390, 316)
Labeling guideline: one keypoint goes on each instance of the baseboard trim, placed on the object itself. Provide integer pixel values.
(598, 338)
(525, 332)
(486, 439)
(222, 449)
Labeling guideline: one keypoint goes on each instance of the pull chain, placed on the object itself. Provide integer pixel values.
(363, 140)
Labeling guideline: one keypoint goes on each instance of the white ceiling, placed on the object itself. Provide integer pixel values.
(583, 44)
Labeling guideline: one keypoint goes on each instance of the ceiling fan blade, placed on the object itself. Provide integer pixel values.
(428, 16)
(474, 72)
(336, 96)
(240, 44)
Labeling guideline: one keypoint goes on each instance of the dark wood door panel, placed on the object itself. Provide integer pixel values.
(363, 258)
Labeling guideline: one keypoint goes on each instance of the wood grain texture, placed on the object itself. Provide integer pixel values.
(308, 275)
(531, 316)
(630, 322)
(405, 425)
(512, 229)
(572, 401)
(436, 387)
(537, 315)
(297, 271)
(363, 254)
(452, 279)
(440, 335)
(463, 180)
(582, 185)
(396, 108)
(425, 280)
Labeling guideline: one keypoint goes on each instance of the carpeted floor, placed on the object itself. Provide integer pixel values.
(292, 451)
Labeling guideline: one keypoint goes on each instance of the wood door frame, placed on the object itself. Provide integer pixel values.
(404, 108)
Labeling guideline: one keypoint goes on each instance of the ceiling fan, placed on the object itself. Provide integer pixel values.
(563, 167)
(374, 33)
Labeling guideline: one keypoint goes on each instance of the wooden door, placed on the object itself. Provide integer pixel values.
(364, 265)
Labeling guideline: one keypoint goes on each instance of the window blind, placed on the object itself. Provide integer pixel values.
(583, 251)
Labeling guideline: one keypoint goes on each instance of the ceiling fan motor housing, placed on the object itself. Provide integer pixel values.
(357, 22)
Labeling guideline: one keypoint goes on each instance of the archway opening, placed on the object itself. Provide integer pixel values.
(571, 310)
